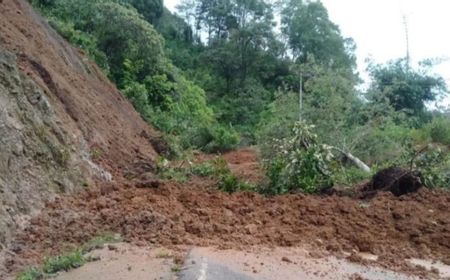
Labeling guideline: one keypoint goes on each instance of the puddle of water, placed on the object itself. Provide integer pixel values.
(444, 270)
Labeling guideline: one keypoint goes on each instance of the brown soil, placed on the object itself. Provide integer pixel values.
(88, 106)
(393, 228)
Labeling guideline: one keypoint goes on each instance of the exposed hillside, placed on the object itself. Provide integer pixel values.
(59, 114)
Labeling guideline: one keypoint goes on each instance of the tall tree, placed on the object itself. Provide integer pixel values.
(152, 10)
(405, 88)
(310, 31)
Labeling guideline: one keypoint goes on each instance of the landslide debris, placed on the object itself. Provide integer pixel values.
(194, 213)
(63, 126)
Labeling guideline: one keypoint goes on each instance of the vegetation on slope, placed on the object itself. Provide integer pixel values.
(218, 67)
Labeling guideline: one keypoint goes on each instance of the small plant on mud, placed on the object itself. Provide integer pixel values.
(66, 262)
(299, 163)
(205, 169)
(33, 273)
(167, 172)
(53, 265)
(227, 181)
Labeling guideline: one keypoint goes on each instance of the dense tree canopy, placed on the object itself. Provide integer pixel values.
(152, 10)
(219, 69)
(310, 32)
(405, 88)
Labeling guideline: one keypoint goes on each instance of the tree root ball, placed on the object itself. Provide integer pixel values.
(397, 180)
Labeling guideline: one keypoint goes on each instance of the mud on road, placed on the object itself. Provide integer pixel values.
(195, 213)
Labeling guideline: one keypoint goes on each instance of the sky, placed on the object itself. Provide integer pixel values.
(378, 28)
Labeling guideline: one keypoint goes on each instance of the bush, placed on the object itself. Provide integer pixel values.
(31, 274)
(64, 262)
(351, 175)
(440, 130)
(53, 265)
(226, 181)
(223, 139)
(299, 163)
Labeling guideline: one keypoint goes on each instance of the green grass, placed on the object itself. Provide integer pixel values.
(33, 273)
(67, 261)
(53, 265)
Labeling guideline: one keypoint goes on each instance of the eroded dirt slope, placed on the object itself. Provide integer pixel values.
(63, 125)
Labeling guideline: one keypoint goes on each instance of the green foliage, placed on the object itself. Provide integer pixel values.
(405, 88)
(81, 40)
(68, 261)
(64, 262)
(131, 51)
(53, 265)
(434, 166)
(439, 130)
(227, 181)
(310, 32)
(205, 169)
(167, 171)
(216, 169)
(431, 160)
(351, 175)
(31, 274)
(152, 10)
(123, 35)
(236, 76)
(299, 163)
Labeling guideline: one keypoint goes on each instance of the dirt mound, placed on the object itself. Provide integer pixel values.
(393, 228)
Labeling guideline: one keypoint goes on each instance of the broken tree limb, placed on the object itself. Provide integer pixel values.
(356, 161)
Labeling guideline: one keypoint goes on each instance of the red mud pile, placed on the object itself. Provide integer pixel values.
(394, 228)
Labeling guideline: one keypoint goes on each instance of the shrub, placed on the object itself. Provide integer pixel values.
(226, 181)
(440, 130)
(223, 139)
(351, 175)
(31, 274)
(205, 169)
(299, 163)
(53, 265)
(64, 262)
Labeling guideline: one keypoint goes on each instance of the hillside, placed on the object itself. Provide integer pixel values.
(63, 125)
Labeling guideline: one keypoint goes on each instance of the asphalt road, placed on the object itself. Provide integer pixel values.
(201, 268)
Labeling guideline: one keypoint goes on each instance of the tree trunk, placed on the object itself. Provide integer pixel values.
(356, 161)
